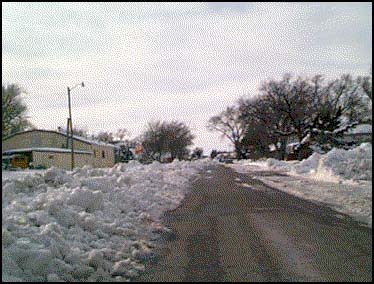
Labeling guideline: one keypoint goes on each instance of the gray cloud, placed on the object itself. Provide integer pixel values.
(225, 7)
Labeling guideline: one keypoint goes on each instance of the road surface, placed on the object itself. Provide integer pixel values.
(231, 227)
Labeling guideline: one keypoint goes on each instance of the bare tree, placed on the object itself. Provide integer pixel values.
(292, 102)
(309, 109)
(121, 134)
(341, 104)
(257, 138)
(167, 137)
(266, 125)
(104, 136)
(231, 126)
(153, 142)
(366, 84)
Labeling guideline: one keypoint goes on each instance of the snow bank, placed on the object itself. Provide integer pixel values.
(340, 178)
(337, 165)
(89, 224)
(355, 164)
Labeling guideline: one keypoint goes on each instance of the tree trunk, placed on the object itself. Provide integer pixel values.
(282, 148)
(238, 151)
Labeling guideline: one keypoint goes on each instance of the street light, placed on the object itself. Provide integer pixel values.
(71, 124)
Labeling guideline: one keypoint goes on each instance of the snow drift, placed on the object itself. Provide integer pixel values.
(336, 165)
(89, 224)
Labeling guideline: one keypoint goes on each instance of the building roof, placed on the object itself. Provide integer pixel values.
(46, 149)
(10, 156)
(78, 138)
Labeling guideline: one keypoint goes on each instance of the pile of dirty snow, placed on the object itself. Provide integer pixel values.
(89, 224)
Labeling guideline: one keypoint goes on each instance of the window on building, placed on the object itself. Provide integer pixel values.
(102, 154)
(50, 157)
(94, 153)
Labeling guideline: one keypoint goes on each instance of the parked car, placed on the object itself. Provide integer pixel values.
(225, 159)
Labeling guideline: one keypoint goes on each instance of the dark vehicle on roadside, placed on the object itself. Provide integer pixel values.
(225, 158)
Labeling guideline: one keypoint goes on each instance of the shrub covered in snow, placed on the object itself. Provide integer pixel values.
(89, 224)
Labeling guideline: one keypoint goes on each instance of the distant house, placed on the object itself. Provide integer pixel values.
(47, 148)
(226, 155)
(360, 134)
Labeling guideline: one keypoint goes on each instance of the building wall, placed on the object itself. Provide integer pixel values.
(40, 139)
(98, 161)
(34, 139)
(60, 160)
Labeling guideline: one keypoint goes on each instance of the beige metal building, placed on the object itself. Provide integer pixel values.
(49, 148)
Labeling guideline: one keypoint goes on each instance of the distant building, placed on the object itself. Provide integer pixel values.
(360, 134)
(47, 148)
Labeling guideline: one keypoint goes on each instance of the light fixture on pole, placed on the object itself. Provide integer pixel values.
(71, 124)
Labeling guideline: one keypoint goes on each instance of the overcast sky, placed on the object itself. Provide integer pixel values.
(162, 61)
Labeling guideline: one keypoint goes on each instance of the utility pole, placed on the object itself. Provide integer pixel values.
(71, 125)
(71, 132)
(67, 132)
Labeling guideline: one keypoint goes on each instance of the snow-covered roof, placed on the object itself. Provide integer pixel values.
(10, 156)
(120, 143)
(46, 149)
(90, 141)
(361, 129)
